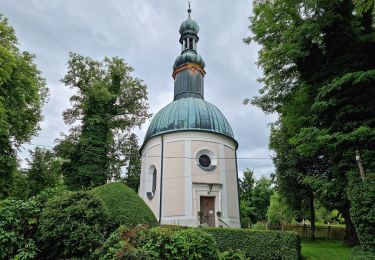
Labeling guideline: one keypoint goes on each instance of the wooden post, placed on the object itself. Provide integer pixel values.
(329, 231)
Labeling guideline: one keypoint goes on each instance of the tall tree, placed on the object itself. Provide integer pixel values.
(262, 193)
(133, 160)
(246, 185)
(254, 196)
(292, 169)
(323, 50)
(279, 211)
(22, 94)
(109, 102)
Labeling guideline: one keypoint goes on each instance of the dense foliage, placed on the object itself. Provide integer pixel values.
(359, 254)
(255, 198)
(258, 244)
(262, 193)
(19, 187)
(22, 94)
(133, 162)
(18, 221)
(279, 210)
(123, 205)
(18, 225)
(159, 243)
(44, 171)
(108, 104)
(71, 225)
(362, 210)
(318, 75)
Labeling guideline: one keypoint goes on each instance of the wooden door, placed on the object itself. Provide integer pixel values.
(208, 211)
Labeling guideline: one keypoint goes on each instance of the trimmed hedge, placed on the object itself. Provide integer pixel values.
(123, 205)
(359, 254)
(258, 244)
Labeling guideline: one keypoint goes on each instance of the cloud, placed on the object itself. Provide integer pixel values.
(145, 34)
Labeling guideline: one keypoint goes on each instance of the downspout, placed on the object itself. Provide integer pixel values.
(161, 177)
(238, 188)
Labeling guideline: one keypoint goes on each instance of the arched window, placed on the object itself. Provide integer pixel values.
(191, 43)
(154, 174)
(152, 180)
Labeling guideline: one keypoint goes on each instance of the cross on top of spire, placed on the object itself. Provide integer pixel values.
(189, 10)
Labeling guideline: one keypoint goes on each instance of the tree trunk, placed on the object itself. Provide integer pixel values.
(360, 165)
(351, 238)
(312, 214)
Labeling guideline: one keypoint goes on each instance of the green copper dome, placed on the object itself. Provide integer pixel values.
(189, 114)
(189, 111)
(189, 26)
(189, 56)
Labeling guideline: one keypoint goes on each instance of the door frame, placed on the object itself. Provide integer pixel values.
(202, 189)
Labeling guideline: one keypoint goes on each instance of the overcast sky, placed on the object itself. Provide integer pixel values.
(145, 34)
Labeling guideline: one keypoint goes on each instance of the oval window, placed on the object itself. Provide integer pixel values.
(204, 161)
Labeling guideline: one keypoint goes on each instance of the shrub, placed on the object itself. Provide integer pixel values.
(159, 243)
(18, 225)
(258, 244)
(232, 255)
(121, 244)
(123, 205)
(191, 244)
(359, 254)
(362, 211)
(18, 221)
(71, 225)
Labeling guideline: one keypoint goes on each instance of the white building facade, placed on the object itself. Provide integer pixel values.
(189, 164)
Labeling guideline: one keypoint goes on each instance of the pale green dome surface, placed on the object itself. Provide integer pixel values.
(189, 56)
(189, 26)
(189, 114)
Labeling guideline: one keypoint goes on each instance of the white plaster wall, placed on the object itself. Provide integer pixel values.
(151, 156)
(174, 178)
(184, 181)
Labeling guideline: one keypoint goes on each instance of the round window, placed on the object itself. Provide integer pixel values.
(204, 161)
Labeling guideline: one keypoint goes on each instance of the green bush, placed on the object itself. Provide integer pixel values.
(232, 255)
(159, 243)
(191, 244)
(359, 254)
(18, 221)
(258, 244)
(121, 244)
(18, 225)
(362, 210)
(123, 205)
(71, 225)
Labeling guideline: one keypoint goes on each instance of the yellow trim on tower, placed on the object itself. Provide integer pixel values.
(193, 67)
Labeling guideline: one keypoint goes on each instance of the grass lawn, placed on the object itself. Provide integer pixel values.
(323, 249)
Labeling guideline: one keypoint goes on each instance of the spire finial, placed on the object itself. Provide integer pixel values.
(189, 10)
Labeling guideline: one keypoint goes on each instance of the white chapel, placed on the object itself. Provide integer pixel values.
(189, 162)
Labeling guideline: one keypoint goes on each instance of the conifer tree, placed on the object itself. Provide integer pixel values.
(133, 160)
